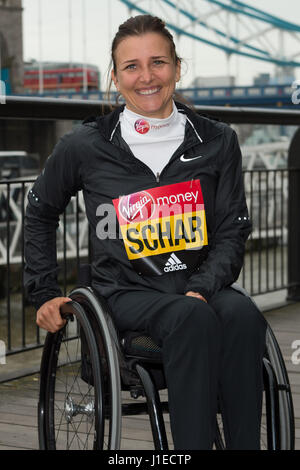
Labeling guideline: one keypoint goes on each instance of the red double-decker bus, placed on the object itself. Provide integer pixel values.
(61, 77)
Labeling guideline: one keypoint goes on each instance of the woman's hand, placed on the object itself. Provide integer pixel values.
(48, 315)
(190, 293)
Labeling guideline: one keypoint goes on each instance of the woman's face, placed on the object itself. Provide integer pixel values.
(146, 74)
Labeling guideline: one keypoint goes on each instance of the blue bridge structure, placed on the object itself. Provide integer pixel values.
(279, 96)
(235, 28)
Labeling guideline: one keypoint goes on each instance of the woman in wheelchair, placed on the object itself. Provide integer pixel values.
(173, 179)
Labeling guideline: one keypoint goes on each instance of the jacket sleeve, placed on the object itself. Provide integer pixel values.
(47, 199)
(231, 229)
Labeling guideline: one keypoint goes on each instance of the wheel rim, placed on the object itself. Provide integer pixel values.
(106, 341)
(287, 424)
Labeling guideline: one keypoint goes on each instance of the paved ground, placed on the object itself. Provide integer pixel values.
(18, 398)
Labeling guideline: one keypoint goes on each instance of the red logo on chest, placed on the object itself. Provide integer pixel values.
(141, 126)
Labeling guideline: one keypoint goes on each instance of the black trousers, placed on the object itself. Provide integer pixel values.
(209, 350)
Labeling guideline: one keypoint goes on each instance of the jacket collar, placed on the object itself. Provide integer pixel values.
(205, 127)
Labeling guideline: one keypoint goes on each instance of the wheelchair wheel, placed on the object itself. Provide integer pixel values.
(75, 410)
(277, 425)
(286, 410)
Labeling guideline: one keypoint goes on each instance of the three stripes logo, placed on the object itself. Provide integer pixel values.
(174, 264)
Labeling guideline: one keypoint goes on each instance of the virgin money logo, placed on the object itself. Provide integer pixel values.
(136, 207)
(142, 126)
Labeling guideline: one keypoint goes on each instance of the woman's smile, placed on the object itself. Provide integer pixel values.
(148, 91)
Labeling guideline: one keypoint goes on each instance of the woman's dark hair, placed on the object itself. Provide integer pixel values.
(139, 25)
(136, 26)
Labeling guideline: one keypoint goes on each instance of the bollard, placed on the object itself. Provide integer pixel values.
(2, 92)
(2, 352)
(294, 219)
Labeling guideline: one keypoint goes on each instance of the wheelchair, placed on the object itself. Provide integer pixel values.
(87, 365)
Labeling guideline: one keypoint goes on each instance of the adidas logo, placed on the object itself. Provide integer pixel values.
(174, 264)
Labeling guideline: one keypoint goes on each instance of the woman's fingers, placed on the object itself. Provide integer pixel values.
(48, 315)
(190, 293)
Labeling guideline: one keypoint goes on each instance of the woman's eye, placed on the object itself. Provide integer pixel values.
(158, 62)
(131, 66)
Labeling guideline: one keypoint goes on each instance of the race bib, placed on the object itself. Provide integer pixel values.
(162, 226)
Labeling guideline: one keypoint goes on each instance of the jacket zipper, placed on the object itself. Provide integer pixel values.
(157, 177)
(185, 149)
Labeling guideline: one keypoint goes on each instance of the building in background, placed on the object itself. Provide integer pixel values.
(11, 45)
(285, 77)
(214, 82)
(60, 77)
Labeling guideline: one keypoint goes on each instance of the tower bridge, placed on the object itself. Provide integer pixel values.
(281, 96)
(230, 26)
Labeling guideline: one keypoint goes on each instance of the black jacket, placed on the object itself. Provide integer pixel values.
(95, 159)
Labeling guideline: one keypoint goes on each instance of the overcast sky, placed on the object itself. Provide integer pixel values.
(52, 41)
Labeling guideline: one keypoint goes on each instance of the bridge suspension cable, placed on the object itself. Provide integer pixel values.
(254, 40)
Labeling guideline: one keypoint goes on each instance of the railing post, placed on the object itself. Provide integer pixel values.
(294, 219)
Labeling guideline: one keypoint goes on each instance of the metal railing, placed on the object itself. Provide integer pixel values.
(72, 246)
(72, 234)
(270, 197)
(265, 265)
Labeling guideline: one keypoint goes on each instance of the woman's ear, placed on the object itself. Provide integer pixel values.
(178, 70)
(114, 79)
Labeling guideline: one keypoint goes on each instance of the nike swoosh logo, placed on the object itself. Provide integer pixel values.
(189, 159)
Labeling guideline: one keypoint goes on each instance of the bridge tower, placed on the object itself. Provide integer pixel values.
(11, 45)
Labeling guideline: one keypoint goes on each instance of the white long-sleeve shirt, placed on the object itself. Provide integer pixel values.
(153, 140)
